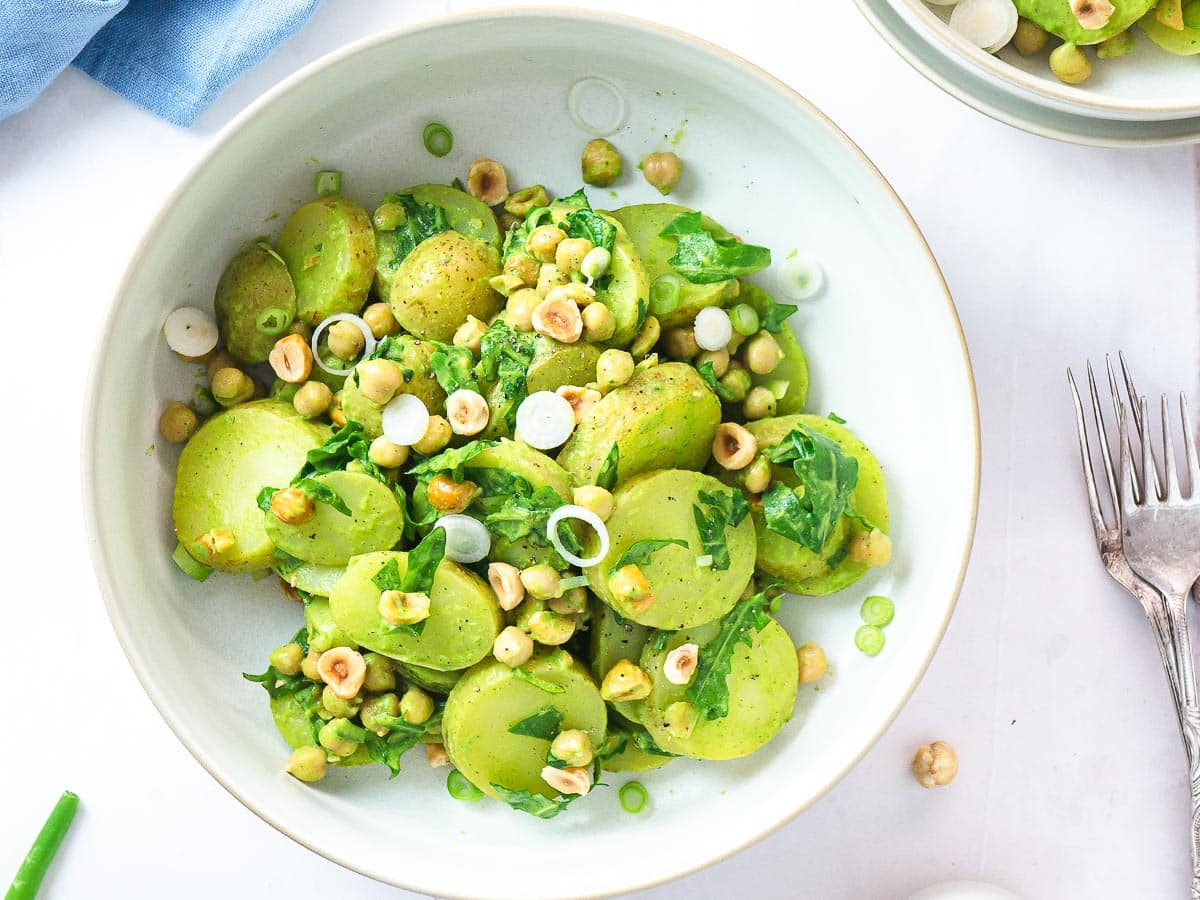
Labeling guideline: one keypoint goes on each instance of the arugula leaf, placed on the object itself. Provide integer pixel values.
(544, 724)
(517, 235)
(388, 576)
(277, 684)
(423, 561)
(422, 220)
(528, 514)
(453, 367)
(607, 476)
(522, 674)
(504, 357)
(709, 374)
(323, 493)
(724, 508)
(348, 444)
(615, 742)
(807, 515)
(402, 736)
(285, 563)
(702, 258)
(639, 552)
(771, 313)
(584, 223)
(534, 804)
(451, 461)
(709, 688)
(645, 743)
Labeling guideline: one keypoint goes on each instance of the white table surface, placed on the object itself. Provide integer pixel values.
(1072, 781)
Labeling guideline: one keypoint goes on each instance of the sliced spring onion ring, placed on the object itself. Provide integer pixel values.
(573, 582)
(328, 181)
(597, 106)
(368, 339)
(405, 420)
(664, 294)
(190, 332)
(189, 566)
(437, 138)
(273, 321)
(467, 539)
(713, 328)
(545, 420)
(805, 277)
(704, 562)
(571, 511)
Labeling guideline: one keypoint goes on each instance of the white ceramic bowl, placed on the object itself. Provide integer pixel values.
(1151, 98)
(886, 351)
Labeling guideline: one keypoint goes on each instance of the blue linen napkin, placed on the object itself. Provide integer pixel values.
(172, 57)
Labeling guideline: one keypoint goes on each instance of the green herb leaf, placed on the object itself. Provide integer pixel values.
(348, 444)
(709, 374)
(645, 743)
(522, 674)
(322, 493)
(584, 223)
(423, 561)
(659, 642)
(422, 220)
(771, 313)
(264, 498)
(450, 461)
(834, 417)
(504, 357)
(388, 576)
(517, 235)
(527, 515)
(702, 258)
(278, 685)
(284, 562)
(534, 804)
(544, 724)
(453, 367)
(723, 508)
(807, 515)
(709, 688)
(402, 736)
(615, 742)
(639, 552)
(607, 476)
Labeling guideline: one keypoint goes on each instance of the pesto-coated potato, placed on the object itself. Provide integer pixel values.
(444, 280)
(791, 375)
(762, 690)
(628, 289)
(611, 639)
(256, 280)
(554, 364)
(1057, 18)
(329, 247)
(489, 699)
(313, 578)
(330, 538)
(430, 679)
(664, 417)
(295, 727)
(324, 633)
(799, 569)
(464, 616)
(223, 467)
(662, 505)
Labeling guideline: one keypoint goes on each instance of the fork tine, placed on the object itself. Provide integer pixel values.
(1171, 476)
(1102, 432)
(1119, 406)
(1085, 458)
(1151, 497)
(1189, 445)
(1128, 476)
(1131, 391)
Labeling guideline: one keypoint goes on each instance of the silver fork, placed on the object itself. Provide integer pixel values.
(1164, 603)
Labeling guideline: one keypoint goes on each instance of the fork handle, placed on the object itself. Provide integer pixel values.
(1175, 645)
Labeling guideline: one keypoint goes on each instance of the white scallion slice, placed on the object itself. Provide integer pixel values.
(573, 582)
(713, 328)
(545, 420)
(467, 540)
(190, 331)
(583, 514)
(804, 275)
(985, 23)
(405, 420)
(368, 340)
(704, 562)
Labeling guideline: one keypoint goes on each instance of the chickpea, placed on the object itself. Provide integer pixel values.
(337, 415)
(613, 369)
(550, 275)
(307, 764)
(312, 399)
(416, 706)
(935, 763)
(449, 496)
(761, 353)
(737, 383)
(513, 647)
(598, 323)
(345, 340)
(379, 379)
(558, 319)
(178, 422)
(680, 343)
(232, 386)
(1070, 64)
(542, 582)
(291, 359)
(1030, 38)
(646, 338)
(625, 681)
(470, 334)
(756, 477)
(759, 404)
(662, 171)
(292, 506)
(380, 674)
(487, 181)
(543, 242)
(337, 707)
(874, 548)
(222, 360)
(734, 447)
(331, 740)
(573, 292)
(595, 498)
(573, 747)
(308, 668)
(386, 454)
(811, 660)
(376, 710)
(680, 719)
(570, 253)
(522, 266)
(551, 628)
(389, 216)
(437, 435)
(600, 163)
(518, 311)
(519, 203)
(718, 358)
(573, 602)
(287, 659)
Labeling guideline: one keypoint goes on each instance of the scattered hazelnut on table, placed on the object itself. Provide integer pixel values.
(935, 764)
